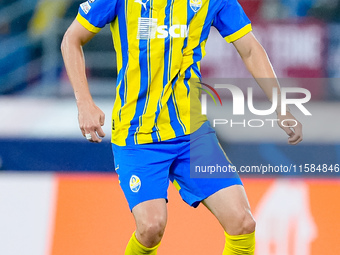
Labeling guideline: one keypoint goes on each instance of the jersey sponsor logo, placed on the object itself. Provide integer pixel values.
(85, 7)
(142, 3)
(195, 5)
(176, 31)
(135, 183)
(148, 29)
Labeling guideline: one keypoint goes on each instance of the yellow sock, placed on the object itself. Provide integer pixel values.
(134, 247)
(239, 245)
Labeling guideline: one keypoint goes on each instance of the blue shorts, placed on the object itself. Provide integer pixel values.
(145, 170)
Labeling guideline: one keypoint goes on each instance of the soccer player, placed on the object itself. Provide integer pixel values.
(158, 130)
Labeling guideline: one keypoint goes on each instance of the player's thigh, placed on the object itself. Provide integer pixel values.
(231, 207)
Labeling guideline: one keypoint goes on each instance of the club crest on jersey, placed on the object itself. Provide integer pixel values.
(135, 183)
(195, 5)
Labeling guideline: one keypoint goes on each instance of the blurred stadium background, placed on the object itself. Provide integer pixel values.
(58, 193)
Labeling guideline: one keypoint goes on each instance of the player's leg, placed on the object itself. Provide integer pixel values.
(220, 190)
(231, 208)
(150, 217)
(143, 172)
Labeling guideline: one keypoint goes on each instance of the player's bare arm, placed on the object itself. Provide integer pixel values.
(90, 117)
(257, 62)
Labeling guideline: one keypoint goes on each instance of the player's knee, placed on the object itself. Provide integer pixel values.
(152, 229)
(246, 223)
(249, 225)
(241, 222)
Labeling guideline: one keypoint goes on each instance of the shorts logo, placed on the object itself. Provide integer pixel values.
(135, 183)
(195, 5)
(85, 7)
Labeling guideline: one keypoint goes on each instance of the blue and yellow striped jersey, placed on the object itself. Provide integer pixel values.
(159, 46)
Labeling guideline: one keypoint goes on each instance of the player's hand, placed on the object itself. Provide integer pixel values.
(293, 130)
(91, 119)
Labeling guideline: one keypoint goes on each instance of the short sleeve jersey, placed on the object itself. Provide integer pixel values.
(159, 46)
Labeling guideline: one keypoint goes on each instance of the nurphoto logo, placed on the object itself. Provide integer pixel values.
(280, 103)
